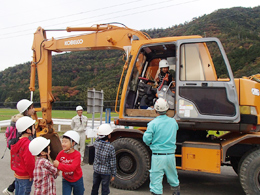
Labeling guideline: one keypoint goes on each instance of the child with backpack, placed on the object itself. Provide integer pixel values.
(68, 161)
(105, 160)
(44, 172)
(11, 131)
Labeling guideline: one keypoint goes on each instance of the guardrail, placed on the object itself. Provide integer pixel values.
(4, 123)
(59, 122)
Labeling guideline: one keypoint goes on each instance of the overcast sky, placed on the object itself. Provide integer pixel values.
(20, 19)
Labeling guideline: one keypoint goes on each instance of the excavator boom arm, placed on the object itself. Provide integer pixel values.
(102, 37)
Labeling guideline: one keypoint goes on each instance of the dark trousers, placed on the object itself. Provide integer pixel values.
(11, 187)
(97, 179)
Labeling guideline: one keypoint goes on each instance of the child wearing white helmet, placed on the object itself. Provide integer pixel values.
(164, 77)
(22, 161)
(79, 124)
(25, 108)
(44, 172)
(105, 160)
(68, 161)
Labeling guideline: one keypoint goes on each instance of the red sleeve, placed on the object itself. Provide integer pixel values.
(29, 160)
(71, 167)
(58, 156)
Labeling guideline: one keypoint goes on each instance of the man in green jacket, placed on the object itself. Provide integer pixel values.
(160, 136)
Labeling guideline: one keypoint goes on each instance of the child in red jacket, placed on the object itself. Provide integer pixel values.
(68, 161)
(22, 161)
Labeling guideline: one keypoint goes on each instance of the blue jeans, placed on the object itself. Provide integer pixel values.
(78, 187)
(97, 179)
(23, 186)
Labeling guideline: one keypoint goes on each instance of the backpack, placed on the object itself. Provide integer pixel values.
(11, 136)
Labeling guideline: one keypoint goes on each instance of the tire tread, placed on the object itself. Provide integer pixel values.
(141, 146)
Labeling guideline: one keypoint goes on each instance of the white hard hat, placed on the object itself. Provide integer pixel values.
(161, 105)
(38, 144)
(72, 135)
(24, 123)
(79, 108)
(104, 129)
(163, 64)
(23, 104)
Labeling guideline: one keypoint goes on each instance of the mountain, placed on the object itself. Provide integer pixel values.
(75, 72)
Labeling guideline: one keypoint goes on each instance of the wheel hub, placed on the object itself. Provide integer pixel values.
(126, 163)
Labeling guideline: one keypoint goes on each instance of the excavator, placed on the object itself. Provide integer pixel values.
(203, 96)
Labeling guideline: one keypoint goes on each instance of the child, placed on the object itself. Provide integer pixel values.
(22, 161)
(164, 77)
(44, 172)
(68, 161)
(104, 162)
(25, 108)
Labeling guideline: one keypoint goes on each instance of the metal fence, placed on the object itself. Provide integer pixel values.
(90, 130)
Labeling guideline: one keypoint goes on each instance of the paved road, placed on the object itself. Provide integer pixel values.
(192, 183)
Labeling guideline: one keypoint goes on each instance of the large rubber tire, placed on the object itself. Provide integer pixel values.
(249, 173)
(133, 163)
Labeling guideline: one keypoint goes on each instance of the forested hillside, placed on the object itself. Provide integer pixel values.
(74, 73)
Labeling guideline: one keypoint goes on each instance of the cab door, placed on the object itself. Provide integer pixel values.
(205, 87)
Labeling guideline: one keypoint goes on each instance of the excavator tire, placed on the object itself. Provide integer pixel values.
(55, 144)
(249, 173)
(133, 163)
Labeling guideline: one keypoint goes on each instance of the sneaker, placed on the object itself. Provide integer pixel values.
(7, 192)
(176, 190)
(154, 193)
(82, 163)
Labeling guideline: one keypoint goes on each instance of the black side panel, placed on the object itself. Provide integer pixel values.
(209, 100)
(248, 119)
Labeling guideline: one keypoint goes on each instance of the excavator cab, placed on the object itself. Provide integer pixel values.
(203, 88)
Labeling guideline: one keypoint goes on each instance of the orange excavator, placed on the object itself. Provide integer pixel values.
(203, 96)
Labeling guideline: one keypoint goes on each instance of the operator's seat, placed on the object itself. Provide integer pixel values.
(146, 95)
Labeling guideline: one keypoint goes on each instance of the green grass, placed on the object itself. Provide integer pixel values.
(6, 114)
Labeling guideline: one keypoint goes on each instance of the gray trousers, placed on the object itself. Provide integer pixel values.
(81, 146)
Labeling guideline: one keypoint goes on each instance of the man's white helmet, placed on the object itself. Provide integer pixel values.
(104, 129)
(161, 105)
(38, 144)
(79, 108)
(72, 135)
(23, 105)
(24, 123)
(163, 64)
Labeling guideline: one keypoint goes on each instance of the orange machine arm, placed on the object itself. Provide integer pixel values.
(104, 37)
